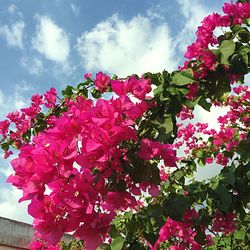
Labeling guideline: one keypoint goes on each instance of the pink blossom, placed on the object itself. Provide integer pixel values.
(138, 87)
(37, 99)
(7, 154)
(193, 88)
(120, 200)
(4, 127)
(50, 98)
(184, 231)
(224, 223)
(102, 81)
(149, 149)
(87, 75)
(209, 160)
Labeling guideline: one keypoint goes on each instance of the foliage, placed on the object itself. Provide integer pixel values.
(109, 166)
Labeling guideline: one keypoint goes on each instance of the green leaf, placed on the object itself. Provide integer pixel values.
(199, 153)
(158, 90)
(248, 175)
(248, 19)
(244, 36)
(164, 125)
(114, 77)
(155, 175)
(204, 104)
(136, 246)
(177, 175)
(239, 235)
(223, 198)
(165, 77)
(193, 103)
(176, 207)
(183, 77)
(200, 237)
(104, 246)
(236, 29)
(5, 146)
(243, 150)
(239, 65)
(140, 170)
(227, 175)
(84, 92)
(113, 232)
(96, 93)
(68, 91)
(244, 52)
(117, 243)
(227, 48)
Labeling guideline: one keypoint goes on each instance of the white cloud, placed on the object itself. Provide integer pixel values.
(12, 8)
(16, 100)
(193, 13)
(4, 105)
(13, 34)
(1, 98)
(6, 169)
(33, 65)
(210, 117)
(50, 40)
(75, 9)
(157, 12)
(9, 206)
(126, 47)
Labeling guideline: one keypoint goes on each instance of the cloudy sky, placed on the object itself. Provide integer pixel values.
(53, 43)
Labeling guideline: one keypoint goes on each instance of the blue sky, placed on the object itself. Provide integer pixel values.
(53, 43)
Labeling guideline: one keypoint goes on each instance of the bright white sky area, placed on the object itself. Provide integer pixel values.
(53, 43)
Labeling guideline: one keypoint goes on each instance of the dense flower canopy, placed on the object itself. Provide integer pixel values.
(107, 169)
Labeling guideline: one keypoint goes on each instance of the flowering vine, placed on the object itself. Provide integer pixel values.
(107, 170)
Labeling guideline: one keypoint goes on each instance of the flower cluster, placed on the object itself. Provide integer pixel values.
(234, 127)
(74, 172)
(38, 243)
(225, 223)
(182, 234)
(234, 14)
(86, 161)
(16, 128)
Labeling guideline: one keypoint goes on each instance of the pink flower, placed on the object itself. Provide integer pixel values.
(183, 231)
(138, 87)
(102, 81)
(7, 154)
(225, 223)
(221, 159)
(168, 154)
(186, 113)
(37, 99)
(94, 229)
(4, 127)
(87, 75)
(40, 243)
(209, 160)
(153, 190)
(118, 87)
(149, 149)
(50, 98)
(193, 88)
(119, 200)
